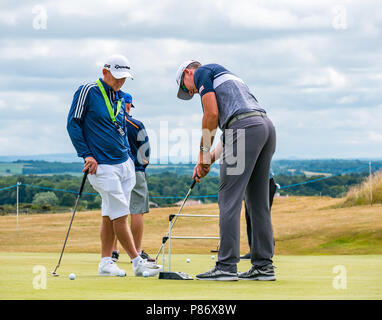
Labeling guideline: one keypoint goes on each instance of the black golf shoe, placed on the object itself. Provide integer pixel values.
(217, 275)
(264, 273)
(115, 256)
(145, 256)
(246, 256)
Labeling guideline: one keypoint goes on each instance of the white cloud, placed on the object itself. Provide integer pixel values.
(348, 99)
(324, 78)
(320, 85)
(375, 136)
(8, 18)
(337, 133)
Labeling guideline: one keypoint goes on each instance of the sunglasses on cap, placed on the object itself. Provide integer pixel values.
(184, 88)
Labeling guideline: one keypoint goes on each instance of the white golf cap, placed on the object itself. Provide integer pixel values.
(119, 66)
(182, 94)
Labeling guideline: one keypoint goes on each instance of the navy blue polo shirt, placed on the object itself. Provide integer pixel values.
(91, 129)
(139, 142)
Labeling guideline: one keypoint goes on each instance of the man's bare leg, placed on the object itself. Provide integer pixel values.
(115, 245)
(107, 237)
(136, 227)
(137, 230)
(124, 236)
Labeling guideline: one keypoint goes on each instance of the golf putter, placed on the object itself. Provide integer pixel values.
(54, 273)
(176, 217)
(171, 275)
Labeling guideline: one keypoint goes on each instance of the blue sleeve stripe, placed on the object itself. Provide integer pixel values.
(81, 99)
(221, 73)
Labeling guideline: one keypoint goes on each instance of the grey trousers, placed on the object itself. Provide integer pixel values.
(248, 147)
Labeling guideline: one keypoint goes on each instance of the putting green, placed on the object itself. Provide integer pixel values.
(27, 276)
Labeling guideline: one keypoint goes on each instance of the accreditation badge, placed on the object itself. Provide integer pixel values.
(120, 130)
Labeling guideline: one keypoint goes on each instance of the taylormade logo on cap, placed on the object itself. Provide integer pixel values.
(122, 67)
(119, 66)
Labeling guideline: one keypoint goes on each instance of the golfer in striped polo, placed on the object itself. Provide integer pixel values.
(248, 144)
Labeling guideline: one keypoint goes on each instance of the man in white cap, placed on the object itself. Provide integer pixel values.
(97, 128)
(248, 143)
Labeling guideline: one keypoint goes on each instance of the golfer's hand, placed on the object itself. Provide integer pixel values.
(200, 171)
(91, 164)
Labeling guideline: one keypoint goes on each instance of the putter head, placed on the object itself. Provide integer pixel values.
(174, 276)
(55, 274)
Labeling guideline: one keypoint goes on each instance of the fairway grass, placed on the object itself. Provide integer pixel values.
(354, 277)
(322, 252)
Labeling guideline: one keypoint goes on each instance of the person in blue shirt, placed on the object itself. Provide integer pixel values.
(97, 127)
(139, 201)
(248, 144)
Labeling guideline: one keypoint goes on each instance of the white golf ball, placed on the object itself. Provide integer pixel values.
(145, 274)
(72, 276)
(188, 260)
(213, 257)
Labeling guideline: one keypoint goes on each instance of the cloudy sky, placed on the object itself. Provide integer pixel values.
(315, 66)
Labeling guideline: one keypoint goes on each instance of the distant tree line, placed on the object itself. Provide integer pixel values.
(46, 167)
(330, 166)
(284, 167)
(165, 189)
(335, 187)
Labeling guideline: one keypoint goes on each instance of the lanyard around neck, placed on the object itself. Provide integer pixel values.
(107, 101)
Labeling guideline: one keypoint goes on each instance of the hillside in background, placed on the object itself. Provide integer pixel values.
(168, 183)
(309, 168)
(302, 226)
(367, 192)
(59, 157)
(56, 193)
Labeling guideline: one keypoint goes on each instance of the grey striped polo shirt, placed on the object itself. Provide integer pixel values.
(232, 94)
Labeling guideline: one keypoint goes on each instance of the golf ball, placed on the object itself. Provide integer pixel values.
(145, 274)
(188, 260)
(213, 257)
(72, 276)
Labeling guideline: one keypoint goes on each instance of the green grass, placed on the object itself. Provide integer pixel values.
(11, 168)
(364, 242)
(298, 277)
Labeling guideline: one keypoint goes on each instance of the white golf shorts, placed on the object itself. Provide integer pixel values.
(114, 184)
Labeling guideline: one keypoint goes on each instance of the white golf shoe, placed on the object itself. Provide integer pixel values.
(146, 269)
(109, 268)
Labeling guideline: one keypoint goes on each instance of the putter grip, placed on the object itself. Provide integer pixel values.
(193, 184)
(83, 182)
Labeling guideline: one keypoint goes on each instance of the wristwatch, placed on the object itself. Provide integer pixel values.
(204, 149)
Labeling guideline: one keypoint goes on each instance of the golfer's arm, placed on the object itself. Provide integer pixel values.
(78, 140)
(216, 153)
(209, 121)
